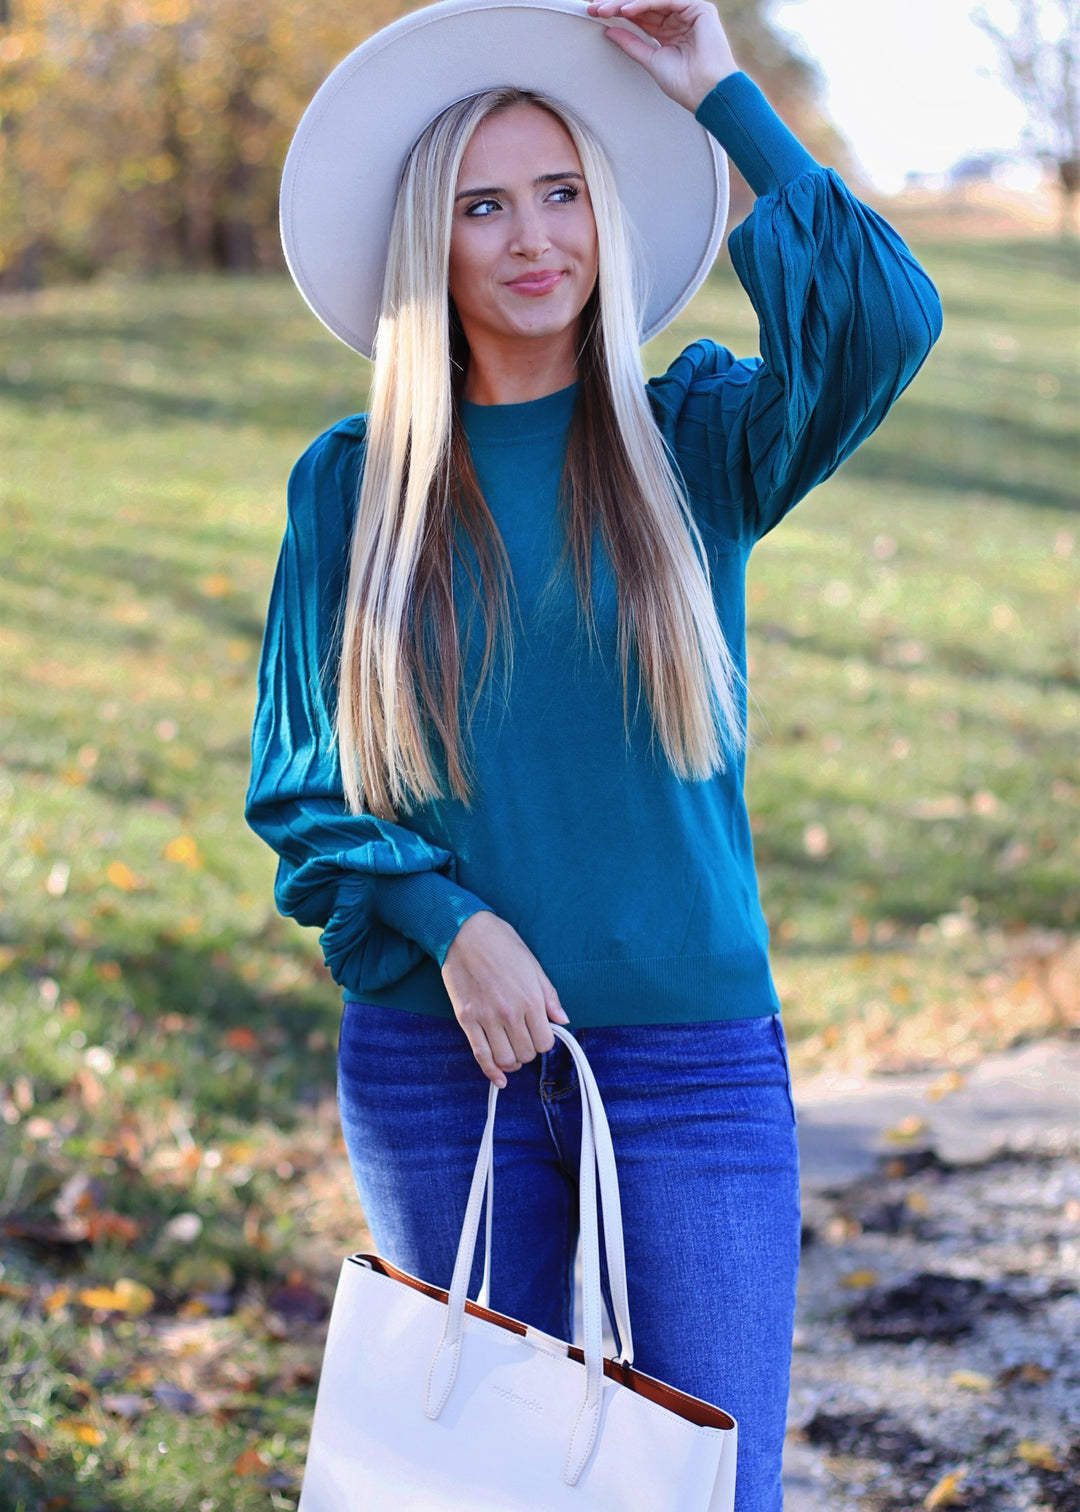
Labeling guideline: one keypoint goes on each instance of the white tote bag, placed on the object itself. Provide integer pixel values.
(429, 1402)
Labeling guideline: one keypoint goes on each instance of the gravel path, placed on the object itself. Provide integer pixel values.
(937, 1358)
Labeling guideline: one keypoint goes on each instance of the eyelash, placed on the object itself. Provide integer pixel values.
(570, 190)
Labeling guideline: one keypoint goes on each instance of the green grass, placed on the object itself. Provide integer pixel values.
(169, 1040)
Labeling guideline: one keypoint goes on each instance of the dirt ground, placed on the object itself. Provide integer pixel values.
(937, 1350)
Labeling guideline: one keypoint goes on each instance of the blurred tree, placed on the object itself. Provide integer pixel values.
(150, 134)
(1038, 43)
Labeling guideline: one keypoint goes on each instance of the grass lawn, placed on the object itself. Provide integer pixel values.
(173, 1193)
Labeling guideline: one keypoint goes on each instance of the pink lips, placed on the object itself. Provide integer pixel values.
(535, 283)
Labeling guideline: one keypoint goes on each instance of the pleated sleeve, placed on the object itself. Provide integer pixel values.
(382, 894)
(846, 318)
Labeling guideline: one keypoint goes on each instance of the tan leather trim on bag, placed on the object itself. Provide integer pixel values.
(692, 1408)
(384, 1268)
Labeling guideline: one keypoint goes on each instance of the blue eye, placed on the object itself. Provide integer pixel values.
(566, 193)
(477, 208)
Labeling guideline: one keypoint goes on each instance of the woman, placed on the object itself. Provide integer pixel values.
(499, 739)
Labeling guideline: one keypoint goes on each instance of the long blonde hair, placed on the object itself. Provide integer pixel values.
(400, 678)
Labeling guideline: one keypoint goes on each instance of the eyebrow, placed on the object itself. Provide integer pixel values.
(545, 178)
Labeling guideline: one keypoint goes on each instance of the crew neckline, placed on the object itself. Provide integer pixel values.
(532, 419)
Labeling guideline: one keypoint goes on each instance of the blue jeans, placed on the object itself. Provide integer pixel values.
(704, 1134)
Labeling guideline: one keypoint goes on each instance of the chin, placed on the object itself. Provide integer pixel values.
(546, 323)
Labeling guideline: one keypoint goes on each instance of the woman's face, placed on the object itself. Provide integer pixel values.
(523, 253)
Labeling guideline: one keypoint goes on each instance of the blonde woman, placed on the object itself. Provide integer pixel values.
(499, 738)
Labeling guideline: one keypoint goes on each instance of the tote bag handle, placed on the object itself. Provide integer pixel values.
(609, 1195)
(596, 1152)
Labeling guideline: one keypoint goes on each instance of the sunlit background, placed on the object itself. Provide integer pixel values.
(916, 89)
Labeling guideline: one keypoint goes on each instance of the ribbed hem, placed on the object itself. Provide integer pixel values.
(762, 148)
(425, 907)
(646, 990)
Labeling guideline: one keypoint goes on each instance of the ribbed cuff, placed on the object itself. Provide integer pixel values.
(425, 907)
(762, 148)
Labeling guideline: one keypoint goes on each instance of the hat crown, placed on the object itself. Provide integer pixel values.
(343, 168)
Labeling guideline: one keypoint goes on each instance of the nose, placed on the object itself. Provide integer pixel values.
(530, 238)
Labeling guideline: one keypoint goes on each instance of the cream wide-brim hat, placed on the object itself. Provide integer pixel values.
(344, 164)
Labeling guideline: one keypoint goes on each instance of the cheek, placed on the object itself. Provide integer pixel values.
(467, 268)
(589, 243)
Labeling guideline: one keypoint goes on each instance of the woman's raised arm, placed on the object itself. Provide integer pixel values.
(846, 314)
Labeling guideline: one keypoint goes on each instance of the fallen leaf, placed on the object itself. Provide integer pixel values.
(250, 1462)
(110, 1225)
(947, 1492)
(17, 1290)
(120, 874)
(126, 1296)
(184, 851)
(908, 1128)
(215, 584)
(59, 1297)
(28, 1447)
(89, 1087)
(175, 1023)
(840, 1228)
(856, 1279)
(1035, 1452)
(816, 842)
(951, 1081)
(82, 1432)
(1027, 1374)
(915, 1202)
(240, 1038)
(970, 1380)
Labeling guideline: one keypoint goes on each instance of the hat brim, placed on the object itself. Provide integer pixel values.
(344, 164)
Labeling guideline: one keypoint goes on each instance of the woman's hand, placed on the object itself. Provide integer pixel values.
(501, 997)
(692, 54)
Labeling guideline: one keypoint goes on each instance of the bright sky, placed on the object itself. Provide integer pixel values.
(911, 84)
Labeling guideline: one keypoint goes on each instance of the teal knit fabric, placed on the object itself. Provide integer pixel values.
(635, 890)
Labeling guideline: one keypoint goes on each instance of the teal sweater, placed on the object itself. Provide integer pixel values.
(635, 890)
